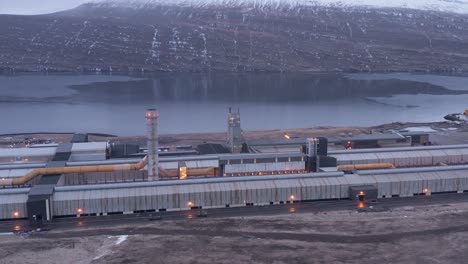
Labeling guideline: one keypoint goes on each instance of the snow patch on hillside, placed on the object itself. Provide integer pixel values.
(453, 6)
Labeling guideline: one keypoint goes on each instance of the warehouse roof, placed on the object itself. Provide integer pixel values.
(285, 142)
(27, 152)
(89, 147)
(14, 173)
(416, 157)
(199, 181)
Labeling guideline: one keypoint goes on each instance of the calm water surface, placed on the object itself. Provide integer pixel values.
(199, 102)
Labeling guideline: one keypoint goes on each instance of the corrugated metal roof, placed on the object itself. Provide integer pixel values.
(399, 149)
(14, 173)
(279, 142)
(89, 147)
(260, 156)
(27, 152)
(197, 181)
(14, 191)
(363, 137)
(279, 184)
(415, 170)
(22, 165)
(264, 167)
(416, 157)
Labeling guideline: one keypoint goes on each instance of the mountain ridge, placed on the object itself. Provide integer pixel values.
(450, 6)
(99, 37)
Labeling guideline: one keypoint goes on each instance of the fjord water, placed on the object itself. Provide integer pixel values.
(195, 102)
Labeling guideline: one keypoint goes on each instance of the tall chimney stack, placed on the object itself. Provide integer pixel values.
(235, 138)
(152, 137)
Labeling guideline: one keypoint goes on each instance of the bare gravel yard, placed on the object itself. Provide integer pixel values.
(428, 234)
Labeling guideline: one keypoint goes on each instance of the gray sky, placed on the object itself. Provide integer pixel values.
(31, 7)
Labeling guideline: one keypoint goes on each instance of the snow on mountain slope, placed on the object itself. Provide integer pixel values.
(241, 36)
(454, 6)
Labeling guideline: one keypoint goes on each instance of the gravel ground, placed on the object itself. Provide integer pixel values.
(428, 234)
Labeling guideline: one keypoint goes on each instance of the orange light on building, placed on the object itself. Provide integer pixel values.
(16, 214)
(286, 136)
(183, 173)
(425, 190)
(190, 204)
(292, 197)
(361, 193)
(79, 211)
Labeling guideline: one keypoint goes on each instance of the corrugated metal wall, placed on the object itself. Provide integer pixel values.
(12, 201)
(104, 177)
(209, 195)
(259, 167)
(237, 191)
(406, 158)
(409, 184)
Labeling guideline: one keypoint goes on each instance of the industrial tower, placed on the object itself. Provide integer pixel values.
(235, 138)
(152, 137)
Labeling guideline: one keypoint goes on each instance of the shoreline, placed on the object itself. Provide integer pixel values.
(24, 139)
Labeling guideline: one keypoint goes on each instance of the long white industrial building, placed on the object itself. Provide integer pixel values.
(95, 154)
(236, 191)
(78, 178)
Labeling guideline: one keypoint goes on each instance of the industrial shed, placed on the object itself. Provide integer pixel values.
(208, 193)
(13, 173)
(238, 191)
(10, 155)
(90, 151)
(193, 164)
(414, 181)
(265, 167)
(257, 190)
(406, 157)
(13, 201)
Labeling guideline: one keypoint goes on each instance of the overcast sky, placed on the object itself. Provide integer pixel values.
(31, 7)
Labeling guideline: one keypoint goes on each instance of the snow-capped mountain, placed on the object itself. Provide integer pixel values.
(245, 35)
(452, 6)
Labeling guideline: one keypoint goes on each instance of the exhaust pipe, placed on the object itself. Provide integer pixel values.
(68, 170)
(376, 166)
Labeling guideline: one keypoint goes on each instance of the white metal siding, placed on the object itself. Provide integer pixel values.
(260, 167)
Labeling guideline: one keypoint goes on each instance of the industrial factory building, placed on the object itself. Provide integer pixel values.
(130, 197)
(83, 178)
